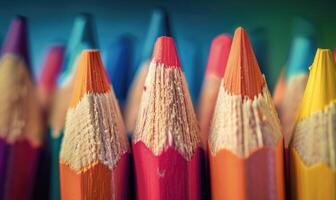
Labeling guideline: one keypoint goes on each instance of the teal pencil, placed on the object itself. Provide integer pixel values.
(83, 36)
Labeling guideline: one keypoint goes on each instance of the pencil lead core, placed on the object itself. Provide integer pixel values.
(165, 52)
(243, 76)
(90, 76)
(16, 41)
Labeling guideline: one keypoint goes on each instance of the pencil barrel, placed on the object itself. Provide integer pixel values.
(96, 182)
(21, 170)
(259, 176)
(317, 182)
(168, 175)
(4, 146)
(55, 146)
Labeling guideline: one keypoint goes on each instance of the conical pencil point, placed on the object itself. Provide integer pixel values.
(219, 52)
(16, 39)
(320, 90)
(90, 76)
(243, 76)
(165, 52)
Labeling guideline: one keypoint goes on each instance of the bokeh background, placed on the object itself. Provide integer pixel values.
(193, 22)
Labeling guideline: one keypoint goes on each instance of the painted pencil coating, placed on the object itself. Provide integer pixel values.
(171, 175)
(170, 166)
(243, 177)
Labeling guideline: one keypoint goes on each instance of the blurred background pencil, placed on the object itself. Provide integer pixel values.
(219, 52)
(279, 90)
(119, 66)
(48, 78)
(313, 146)
(83, 36)
(159, 26)
(301, 56)
(166, 145)
(245, 142)
(45, 87)
(192, 67)
(20, 115)
(94, 158)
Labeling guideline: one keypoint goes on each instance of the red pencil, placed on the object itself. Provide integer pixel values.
(166, 144)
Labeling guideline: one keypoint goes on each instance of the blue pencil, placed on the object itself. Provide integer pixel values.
(302, 50)
(118, 61)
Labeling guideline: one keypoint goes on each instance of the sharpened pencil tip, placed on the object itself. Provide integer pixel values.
(90, 76)
(165, 52)
(16, 41)
(218, 56)
(243, 76)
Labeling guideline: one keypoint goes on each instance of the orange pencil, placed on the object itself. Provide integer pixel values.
(94, 157)
(245, 142)
(219, 52)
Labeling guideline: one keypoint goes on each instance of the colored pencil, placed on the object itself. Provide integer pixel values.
(300, 58)
(119, 65)
(83, 36)
(245, 142)
(219, 52)
(20, 120)
(313, 147)
(334, 54)
(159, 26)
(46, 86)
(167, 149)
(193, 71)
(279, 90)
(94, 158)
(50, 70)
